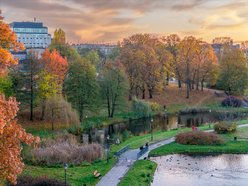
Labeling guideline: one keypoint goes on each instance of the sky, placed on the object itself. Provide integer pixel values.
(110, 21)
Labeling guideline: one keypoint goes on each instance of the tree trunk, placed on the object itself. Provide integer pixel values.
(31, 103)
(108, 102)
(197, 85)
(150, 93)
(202, 85)
(43, 106)
(31, 93)
(187, 79)
(137, 91)
(179, 83)
(188, 87)
(130, 94)
(167, 78)
(143, 93)
(192, 85)
(110, 129)
(81, 116)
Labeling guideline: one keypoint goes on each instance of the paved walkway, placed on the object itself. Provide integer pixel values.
(126, 160)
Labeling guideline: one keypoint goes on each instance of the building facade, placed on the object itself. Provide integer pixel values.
(32, 34)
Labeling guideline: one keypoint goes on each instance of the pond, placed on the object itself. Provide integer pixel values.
(184, 170)
(158, 123)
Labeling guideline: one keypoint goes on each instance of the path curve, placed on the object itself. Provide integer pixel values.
(126, 160)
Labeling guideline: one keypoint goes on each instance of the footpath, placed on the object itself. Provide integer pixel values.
(126, 160)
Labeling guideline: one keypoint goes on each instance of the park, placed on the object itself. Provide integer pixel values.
(151, 109)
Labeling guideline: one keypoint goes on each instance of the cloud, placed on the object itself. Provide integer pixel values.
(111, 20)
(187, 5)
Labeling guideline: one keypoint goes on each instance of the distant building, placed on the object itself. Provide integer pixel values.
(105, 49)
(33, 35)
(218, 48)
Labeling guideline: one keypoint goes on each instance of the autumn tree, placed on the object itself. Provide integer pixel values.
(205, 67)
(11, 137)
(140, 58)
(55, 64)
(6, 86)
(51, 78)
(47, 86)
(66, 51)
(233, 75)
(244, 48)
(8, 41)
(114, 85)
(171, 43)
(81, 86)
(59, 37)
(187, 51)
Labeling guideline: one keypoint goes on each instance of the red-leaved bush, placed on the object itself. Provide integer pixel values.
(199, 138)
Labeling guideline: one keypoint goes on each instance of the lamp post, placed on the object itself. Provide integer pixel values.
(65, 168)
(108, 148)
(151, 129)
(209, 123)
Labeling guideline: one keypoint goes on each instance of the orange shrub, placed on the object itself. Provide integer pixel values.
(199, 138)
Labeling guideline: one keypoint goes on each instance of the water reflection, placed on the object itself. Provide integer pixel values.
(164, 123)
(226, 169)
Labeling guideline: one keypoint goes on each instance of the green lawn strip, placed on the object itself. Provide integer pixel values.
(230, 146)
(137, 141)
(141, 174)
(77, 175)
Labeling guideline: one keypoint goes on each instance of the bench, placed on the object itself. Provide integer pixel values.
(96, 174)
(120, 152)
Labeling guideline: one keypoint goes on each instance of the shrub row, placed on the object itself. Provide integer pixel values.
(198, 138)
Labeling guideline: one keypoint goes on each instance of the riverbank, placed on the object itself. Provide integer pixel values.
(140, 174)
(230, 147)
(171, 98)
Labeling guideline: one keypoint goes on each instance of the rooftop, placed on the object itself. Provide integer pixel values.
(27, 25)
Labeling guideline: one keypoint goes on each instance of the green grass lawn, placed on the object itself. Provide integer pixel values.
(141, 174)
(137, 141)
(76, 176)
(230, 146)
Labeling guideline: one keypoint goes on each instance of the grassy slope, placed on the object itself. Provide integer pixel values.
(230, 146)
(174, 98)
(140, 174)
(76, 175)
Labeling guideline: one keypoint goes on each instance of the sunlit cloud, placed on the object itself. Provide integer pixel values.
(112, 20)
